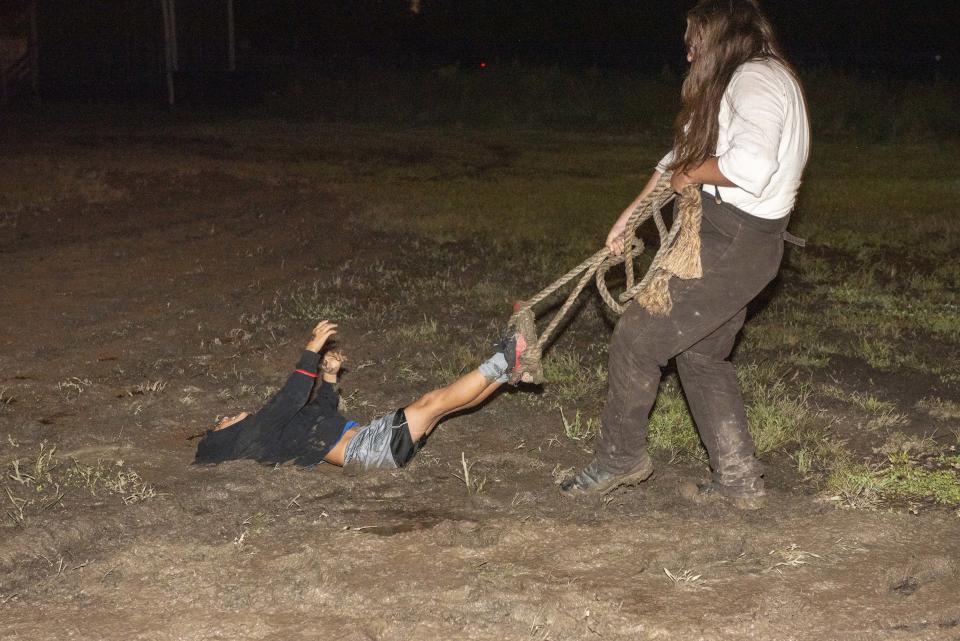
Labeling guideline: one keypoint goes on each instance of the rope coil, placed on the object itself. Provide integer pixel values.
(678, 255)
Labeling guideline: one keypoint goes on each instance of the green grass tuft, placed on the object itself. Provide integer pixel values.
(901, 477)
(580, 429)
(671, 427)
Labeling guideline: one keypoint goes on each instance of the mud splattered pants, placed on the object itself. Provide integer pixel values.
(740, 255)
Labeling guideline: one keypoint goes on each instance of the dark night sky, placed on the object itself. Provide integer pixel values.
(96, 42)
(864, 33)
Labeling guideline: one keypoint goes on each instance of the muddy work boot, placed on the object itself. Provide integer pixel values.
(711, 491)
(593, 479)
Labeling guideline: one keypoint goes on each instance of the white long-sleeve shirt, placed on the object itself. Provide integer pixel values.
(763, 142)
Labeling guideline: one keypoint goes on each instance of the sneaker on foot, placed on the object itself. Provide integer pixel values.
(593, 479)
(511, 346)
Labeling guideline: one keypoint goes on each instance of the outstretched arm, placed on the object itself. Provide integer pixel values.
(615, 237)
(296, 391)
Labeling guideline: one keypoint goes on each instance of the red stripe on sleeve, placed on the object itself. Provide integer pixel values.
(305, 372)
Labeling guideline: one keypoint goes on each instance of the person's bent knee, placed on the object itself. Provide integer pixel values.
(426, 402)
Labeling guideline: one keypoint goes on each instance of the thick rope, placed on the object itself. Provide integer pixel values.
(678, 255)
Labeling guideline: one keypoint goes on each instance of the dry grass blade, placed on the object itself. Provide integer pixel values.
(684, 577)
(791, 557)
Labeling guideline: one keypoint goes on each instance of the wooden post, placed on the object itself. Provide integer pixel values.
(34, 49)
(170, 45)
(231, 39)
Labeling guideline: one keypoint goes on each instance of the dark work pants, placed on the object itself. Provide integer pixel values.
(740, 255)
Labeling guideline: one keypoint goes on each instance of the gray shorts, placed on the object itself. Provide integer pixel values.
(384, 444)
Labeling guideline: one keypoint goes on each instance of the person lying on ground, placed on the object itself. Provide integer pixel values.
(294, 427)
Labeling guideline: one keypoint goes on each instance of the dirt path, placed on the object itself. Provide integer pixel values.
(126, 328)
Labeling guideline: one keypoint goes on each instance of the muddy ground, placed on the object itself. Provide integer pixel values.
(130, 323)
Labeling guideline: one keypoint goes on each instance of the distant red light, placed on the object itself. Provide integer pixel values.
(483, 65)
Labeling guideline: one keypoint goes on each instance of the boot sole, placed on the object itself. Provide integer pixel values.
(690, 491)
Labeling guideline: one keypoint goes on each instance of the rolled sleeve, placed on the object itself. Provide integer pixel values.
(757, 113)
(309, 361)
(664, 165)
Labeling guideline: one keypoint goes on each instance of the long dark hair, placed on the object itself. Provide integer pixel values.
(721, 35)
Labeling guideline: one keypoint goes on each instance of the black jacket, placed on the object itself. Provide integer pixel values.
(289, 427)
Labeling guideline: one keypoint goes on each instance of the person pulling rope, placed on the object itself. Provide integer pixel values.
(678, 255)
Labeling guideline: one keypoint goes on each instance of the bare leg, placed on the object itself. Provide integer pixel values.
(425, 412)
(468, 391)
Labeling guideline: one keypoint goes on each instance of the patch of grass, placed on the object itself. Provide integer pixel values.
(886, 420)
(899, 443)
(808, 360)
(147, 387)
(901, 477)
(452, 366)
(883, 414)
(790, 557)
(871, 404)
(568, 379)
(409, 374)
(263, 394)
(73, 387)
(488, 293)
(36, 472)
(876, 351)
(854, 486)
(777, 410)
(819, 453)
(6, 398)
(940, 409)
(311, 304)
(780, 417)
(683, 577)
(579, 429)
(354, 291)
(422, 331)
(109, 478)
(473, 484)
(47, 479)
(671, 427)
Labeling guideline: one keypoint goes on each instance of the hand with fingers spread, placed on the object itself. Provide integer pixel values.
(321, 334)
